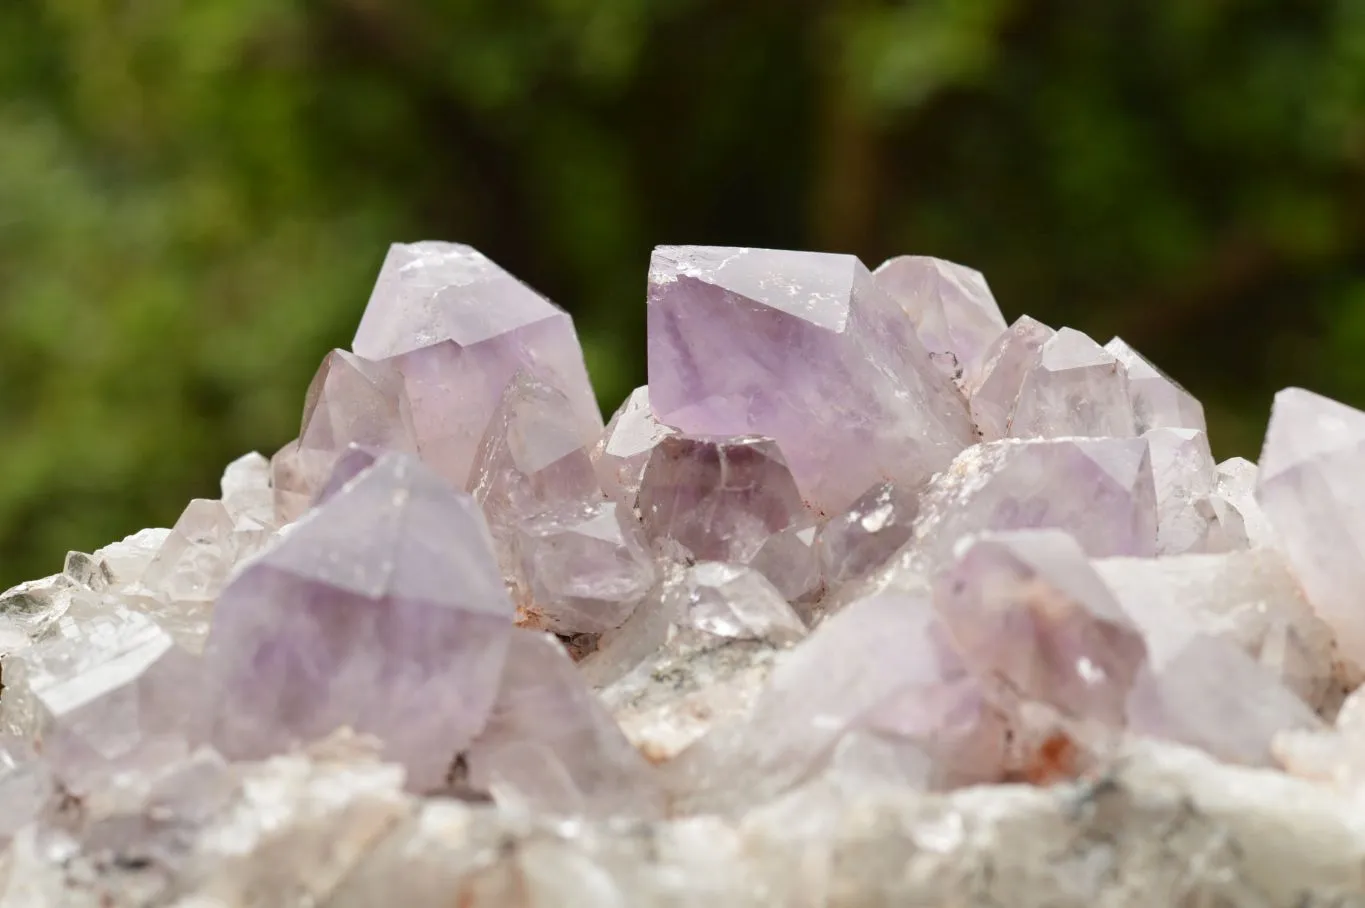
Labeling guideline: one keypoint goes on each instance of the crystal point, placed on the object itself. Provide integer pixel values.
(993, 384)
(623, 450)
(806, 349)
(1311, 491)
(383, 610)
(875, 527)
(1075, 388)
(457, 328)
(955, 315)
(1158, 402)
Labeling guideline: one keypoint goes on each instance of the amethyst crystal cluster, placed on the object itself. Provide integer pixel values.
(857, 531)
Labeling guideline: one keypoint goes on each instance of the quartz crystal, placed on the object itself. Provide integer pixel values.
(114, 694)
(532, 457)
(383, 610)
(789, 561)
(993, 383)
(1235, 486)
(1248, 598)
(1027, 607)
(551, 747)
(864, 537)
(623, 450)
(458, 328)
(25, 786)
(1214, 696)
(804, 348)
(727, 600)
(954, 313)
(1074, 388)
(1099, 490)
(1158, 402)
(350, 401)
(881, 666)
(584, 568)
(1184, 472)
(1309, 487)
(718, 498)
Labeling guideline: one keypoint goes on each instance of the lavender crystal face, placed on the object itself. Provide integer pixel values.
(550, 746)
(582, 568)
(1029, 609)
(351, 401)
(1311, 491)
(1158, 402)
(955, 315)
(458, 327)
(624, 448)
(1075, 388)
(718, 498)
(864, 537)
(992, 385)
(806, 349)
(383, 610)
(1100, 490)
(729, 600)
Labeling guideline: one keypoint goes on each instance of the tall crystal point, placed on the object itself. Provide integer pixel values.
(1312, 490)
(955, 315)
(804, 348)
(1157, 400)
(1076, 388)
(458, 327)
(383, 610)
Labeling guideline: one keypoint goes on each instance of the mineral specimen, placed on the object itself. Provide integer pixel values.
(865, 600)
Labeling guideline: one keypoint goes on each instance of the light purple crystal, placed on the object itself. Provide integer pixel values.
(458, 327)
(1100, 490)
(1184, 473)
(582, 568)
(863, 538)
(383, 610)
(788, 559)
(350, 401)
(1075, 388)
(1157, 400)
(624, 448)
(550, 746)
(804, 348)
(955, 315)
(349, 464)
(992, 385)
(1212, 695)
(26, 786)
(729, 600)
(1028, 608)
(532, 457)
(1310, 487)
(718, 498)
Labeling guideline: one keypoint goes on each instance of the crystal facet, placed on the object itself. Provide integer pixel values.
(864, 537)
(718, 498)
(994, 381)
(1311, 490)
(383, 610)
(1075, 388)
(1157, 400)
(1027, 608)
(623, 450)
(457, 327)
(806, 349)
(955, 315)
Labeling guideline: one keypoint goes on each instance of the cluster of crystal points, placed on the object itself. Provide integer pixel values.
(867, 598)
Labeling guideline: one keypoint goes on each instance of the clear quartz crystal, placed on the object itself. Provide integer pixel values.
(622, 452)
(1074, 388)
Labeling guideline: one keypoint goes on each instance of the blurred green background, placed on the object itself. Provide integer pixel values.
(195, 196)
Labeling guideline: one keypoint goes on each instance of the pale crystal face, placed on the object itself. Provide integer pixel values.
(875, 527)
(383, 603)
(1310, 491)
(458, 328)
(1028, 608)
(1158, 402)
(720, 499)
(954, 313)
(623, 451)
(806, 349)
(1074, 388)
(995, 379)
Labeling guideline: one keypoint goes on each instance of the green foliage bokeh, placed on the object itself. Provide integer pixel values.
(195, 197)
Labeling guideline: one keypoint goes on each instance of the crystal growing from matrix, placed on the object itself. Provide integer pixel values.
(383, 610)
(457, 328)
(866, 599)
(806, 349)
